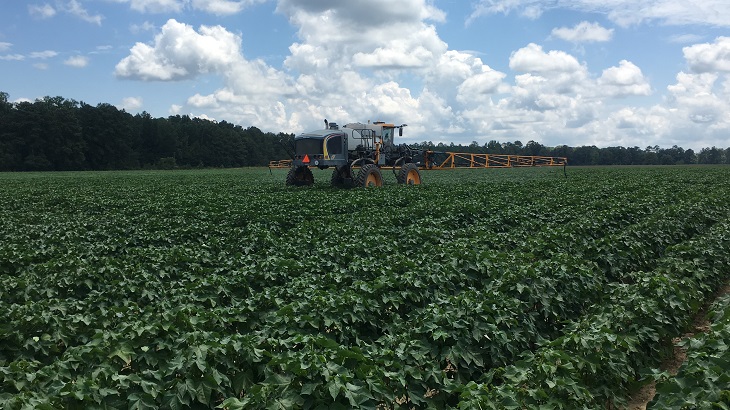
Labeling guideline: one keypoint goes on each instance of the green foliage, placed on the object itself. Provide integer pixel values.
(703, 382)
(225, 289)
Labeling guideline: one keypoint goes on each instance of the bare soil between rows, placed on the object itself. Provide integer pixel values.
(641, 398)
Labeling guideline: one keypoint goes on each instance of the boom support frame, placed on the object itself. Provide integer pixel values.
(437, 160)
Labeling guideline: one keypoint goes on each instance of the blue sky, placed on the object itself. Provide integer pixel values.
(576, 72)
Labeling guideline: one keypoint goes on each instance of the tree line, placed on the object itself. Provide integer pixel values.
(58, 134)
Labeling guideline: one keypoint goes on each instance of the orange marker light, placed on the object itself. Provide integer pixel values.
(306, 159)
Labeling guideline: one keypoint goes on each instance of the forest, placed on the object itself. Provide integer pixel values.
(59, 134)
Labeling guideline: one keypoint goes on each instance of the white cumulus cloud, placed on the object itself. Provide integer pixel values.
(706, 57)
(583, 32)
(179, 52)
(402, 53)
(131, 104)
(77, 61)
(533, 59)
(624, 80)
(700, 107)
(252, 90)
(395, 36)
(481, 86)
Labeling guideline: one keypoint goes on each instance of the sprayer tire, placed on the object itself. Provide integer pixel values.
(300, 176)
(409, 174)
(369, 175)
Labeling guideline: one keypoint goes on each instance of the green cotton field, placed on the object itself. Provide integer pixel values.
(493, 289)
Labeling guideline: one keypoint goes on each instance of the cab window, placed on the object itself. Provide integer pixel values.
(388, 136)
(334, 144)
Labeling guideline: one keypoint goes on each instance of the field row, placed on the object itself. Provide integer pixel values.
(224, 288)
(703, 381)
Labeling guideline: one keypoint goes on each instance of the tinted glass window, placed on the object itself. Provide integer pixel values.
(334, 145)
(388, 136)
(308, 146)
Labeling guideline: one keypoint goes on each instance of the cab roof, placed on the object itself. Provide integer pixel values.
(318, 133)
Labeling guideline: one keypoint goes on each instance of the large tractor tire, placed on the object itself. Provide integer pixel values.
(369, 175)
(409, 174)
(342, 177)
(300, 176)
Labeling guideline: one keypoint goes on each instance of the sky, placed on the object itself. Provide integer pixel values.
(626, 73)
